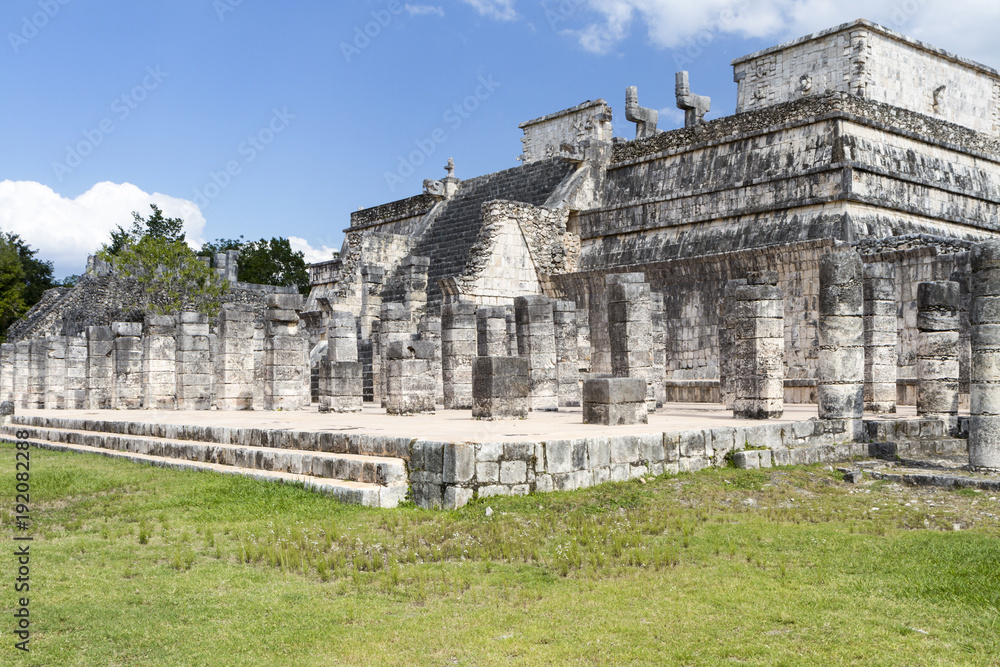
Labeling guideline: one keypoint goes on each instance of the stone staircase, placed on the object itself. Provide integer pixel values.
(450, 237)
(351, 469)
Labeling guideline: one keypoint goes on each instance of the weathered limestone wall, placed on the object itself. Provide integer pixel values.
(8, 354)
(551, 135)
(937, 348)
(536, 341)
(865, 59)
(458, 350)
(100, 367)
(55, 372)
(236, 359)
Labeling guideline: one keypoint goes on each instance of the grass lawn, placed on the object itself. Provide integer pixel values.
(133, 565)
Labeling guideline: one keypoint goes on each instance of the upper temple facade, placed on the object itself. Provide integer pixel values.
(854, 135)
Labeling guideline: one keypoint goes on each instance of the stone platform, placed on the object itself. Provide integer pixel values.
(446, 459)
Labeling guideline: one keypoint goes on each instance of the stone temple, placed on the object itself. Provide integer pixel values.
(830, 250)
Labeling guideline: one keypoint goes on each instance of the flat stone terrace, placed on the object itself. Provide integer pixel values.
(446, 425)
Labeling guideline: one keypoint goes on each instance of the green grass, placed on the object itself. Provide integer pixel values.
(141, 566)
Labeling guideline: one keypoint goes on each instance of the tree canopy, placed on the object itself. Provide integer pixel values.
(167, 275)
(265, 262)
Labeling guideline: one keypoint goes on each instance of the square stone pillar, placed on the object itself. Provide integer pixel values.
(194, 363)
(937, 348)
(396, 324)
(984, 388)
(8, 352)
(491, 332)
(429, 331)
(728, 360)
(500, 387)
(100, 368)
(615, 401)
(38, 353)
(55, 373)
(414, 274)
(76, 372)
(159, 362)
(127, 385)
(536, 342)
(759, 347)
(511, 331)
(286, 370)
(458, 349)
(659, 347)
(881, 337)
(567, 353)
(841, 337)
(630, 329)
(236, 359)
(22, 370)
(340, 373)
(583, 337)
(410, 384)
(372, 278)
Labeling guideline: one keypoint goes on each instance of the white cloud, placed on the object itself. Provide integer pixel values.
(967, 27)
(424, 10)
(65, 231)
(312, 255)
(500, 10)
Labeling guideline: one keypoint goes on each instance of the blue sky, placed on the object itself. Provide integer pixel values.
(264, 118)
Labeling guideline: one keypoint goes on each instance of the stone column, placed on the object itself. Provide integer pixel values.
(458, 349)
(410, 384)
(236, 358)
(194, 363)
(881, 337)
(100, 368)
(372, 278)
(984, 388)
(759, 347)
(127, 385)
(841, 337)
(567, 353)
(583, 337)
(659, 347)
(937, 348)
(38, 351)
(536, 341)
(22, 370)
(285, 369)
(395, 324)
(511, 331)
(429, 331)
(728, 361)
(414, 270)
(8, 352)
(500, 387)
(340, 373)
(159, 362)
(76, 372)
(491, 332)
(55, 372)
(630, 329)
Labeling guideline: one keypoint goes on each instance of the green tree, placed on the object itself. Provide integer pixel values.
(12, 283)
(155, 226)
(265, 262)
(166, 274)
(37, 273)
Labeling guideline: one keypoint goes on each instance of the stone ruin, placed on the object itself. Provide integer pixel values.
(832, 242)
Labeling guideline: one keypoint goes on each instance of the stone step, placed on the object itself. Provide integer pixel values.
(347, 467)
(281, 438)
(356, 493)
